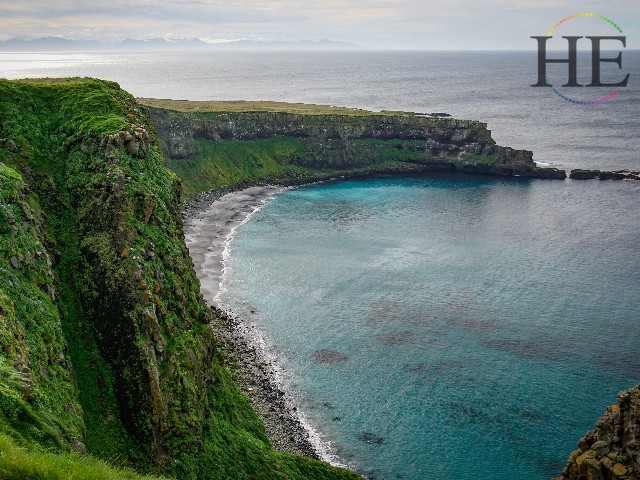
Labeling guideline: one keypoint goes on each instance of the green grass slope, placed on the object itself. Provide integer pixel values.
(229, 163)
(20, 463)
(190, 106)
(38, 400)
(105, 344)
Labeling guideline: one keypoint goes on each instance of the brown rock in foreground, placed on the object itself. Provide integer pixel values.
(612, 450)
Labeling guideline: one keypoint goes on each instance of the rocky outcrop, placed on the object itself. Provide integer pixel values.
(344, 142)
(580, 174)
(134, 141)
(611, 451)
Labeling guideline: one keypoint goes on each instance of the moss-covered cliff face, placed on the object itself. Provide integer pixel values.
(611, 451)
(38, 398)
(196, 144)
(105, 344)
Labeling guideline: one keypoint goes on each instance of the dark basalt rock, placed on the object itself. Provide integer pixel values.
(579, 174)
(545, 173)
(612, 176)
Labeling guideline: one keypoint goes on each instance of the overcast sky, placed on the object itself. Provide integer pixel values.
(377, 24)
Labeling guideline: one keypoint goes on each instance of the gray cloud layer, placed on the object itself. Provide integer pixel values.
(411, 24)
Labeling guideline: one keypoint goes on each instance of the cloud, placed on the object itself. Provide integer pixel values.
(373, 23)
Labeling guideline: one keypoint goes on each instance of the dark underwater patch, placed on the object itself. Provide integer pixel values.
(398, 338)
(329, 356)
(432, 367)
(371, 438)
(530, 349)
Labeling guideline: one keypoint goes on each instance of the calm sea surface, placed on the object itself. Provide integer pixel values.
(447, 328)
(432, 327)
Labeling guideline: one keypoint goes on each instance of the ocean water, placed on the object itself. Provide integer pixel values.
(446, 328)
(493, 87)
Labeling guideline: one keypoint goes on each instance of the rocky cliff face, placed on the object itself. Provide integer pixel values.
(36, 382)
(611, 451)
(343, 142)
(120, 286)
(105, 342)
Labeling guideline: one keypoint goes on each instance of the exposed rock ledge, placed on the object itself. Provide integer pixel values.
(579, 174)
(340, 142)
(611, 451)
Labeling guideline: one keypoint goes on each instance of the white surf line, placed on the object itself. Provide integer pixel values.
(209, 231)
(226, 251)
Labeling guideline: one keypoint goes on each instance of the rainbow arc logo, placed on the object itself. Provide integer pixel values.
(597, 60)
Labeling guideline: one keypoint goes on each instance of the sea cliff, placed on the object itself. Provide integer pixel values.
(105, 341)
(270, 143)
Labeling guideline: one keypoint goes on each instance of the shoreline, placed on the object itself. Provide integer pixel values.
(209, 227)
(255, 374)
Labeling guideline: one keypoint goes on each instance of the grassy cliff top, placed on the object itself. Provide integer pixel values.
(54, 81)
(240, 106)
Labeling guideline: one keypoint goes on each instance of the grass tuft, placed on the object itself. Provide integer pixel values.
(20, 463)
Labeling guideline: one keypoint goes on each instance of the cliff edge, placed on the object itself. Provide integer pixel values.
(210, 144)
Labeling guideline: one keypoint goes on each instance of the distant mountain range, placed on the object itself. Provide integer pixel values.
(54, 44)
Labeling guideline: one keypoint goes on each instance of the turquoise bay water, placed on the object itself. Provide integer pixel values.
(447, 328)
